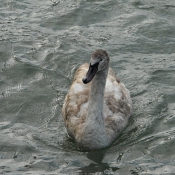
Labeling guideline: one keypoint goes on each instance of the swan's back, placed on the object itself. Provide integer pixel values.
(116, 111)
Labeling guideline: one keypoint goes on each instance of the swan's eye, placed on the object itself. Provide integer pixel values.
(101, 60)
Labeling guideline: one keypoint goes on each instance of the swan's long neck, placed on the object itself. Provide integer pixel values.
(95, 135)
(95, 107)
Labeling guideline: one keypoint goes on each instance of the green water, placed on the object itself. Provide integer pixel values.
(43, 42)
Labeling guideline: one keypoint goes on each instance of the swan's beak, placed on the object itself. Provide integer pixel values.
(91, 73)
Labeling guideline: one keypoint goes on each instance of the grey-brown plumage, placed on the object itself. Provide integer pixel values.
(96, 112)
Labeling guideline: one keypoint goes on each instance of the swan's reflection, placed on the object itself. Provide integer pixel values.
(98, 165)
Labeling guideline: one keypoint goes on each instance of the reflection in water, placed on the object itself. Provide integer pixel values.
(96, 156)
(98, 165)
(94, 168)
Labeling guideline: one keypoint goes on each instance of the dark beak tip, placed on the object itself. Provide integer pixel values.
(90, 74)
(84, 80)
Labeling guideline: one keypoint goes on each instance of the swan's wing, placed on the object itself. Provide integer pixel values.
(117, 105)
(76, 102)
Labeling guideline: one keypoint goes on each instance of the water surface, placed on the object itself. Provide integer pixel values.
(43, 42)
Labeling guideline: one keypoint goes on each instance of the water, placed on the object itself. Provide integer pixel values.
(42, 43)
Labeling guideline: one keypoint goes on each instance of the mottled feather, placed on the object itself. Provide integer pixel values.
(117, 105)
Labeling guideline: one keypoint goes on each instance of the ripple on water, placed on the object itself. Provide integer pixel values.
(44, 42)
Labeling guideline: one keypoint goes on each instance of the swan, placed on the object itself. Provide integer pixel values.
(97, 106)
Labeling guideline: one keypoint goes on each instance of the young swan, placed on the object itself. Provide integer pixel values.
(97, 106)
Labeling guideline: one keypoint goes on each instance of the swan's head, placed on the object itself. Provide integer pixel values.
(99, 62)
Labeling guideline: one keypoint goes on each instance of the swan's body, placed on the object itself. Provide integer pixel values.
(95, 113)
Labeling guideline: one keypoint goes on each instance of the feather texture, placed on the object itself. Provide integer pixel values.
(116, 110)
